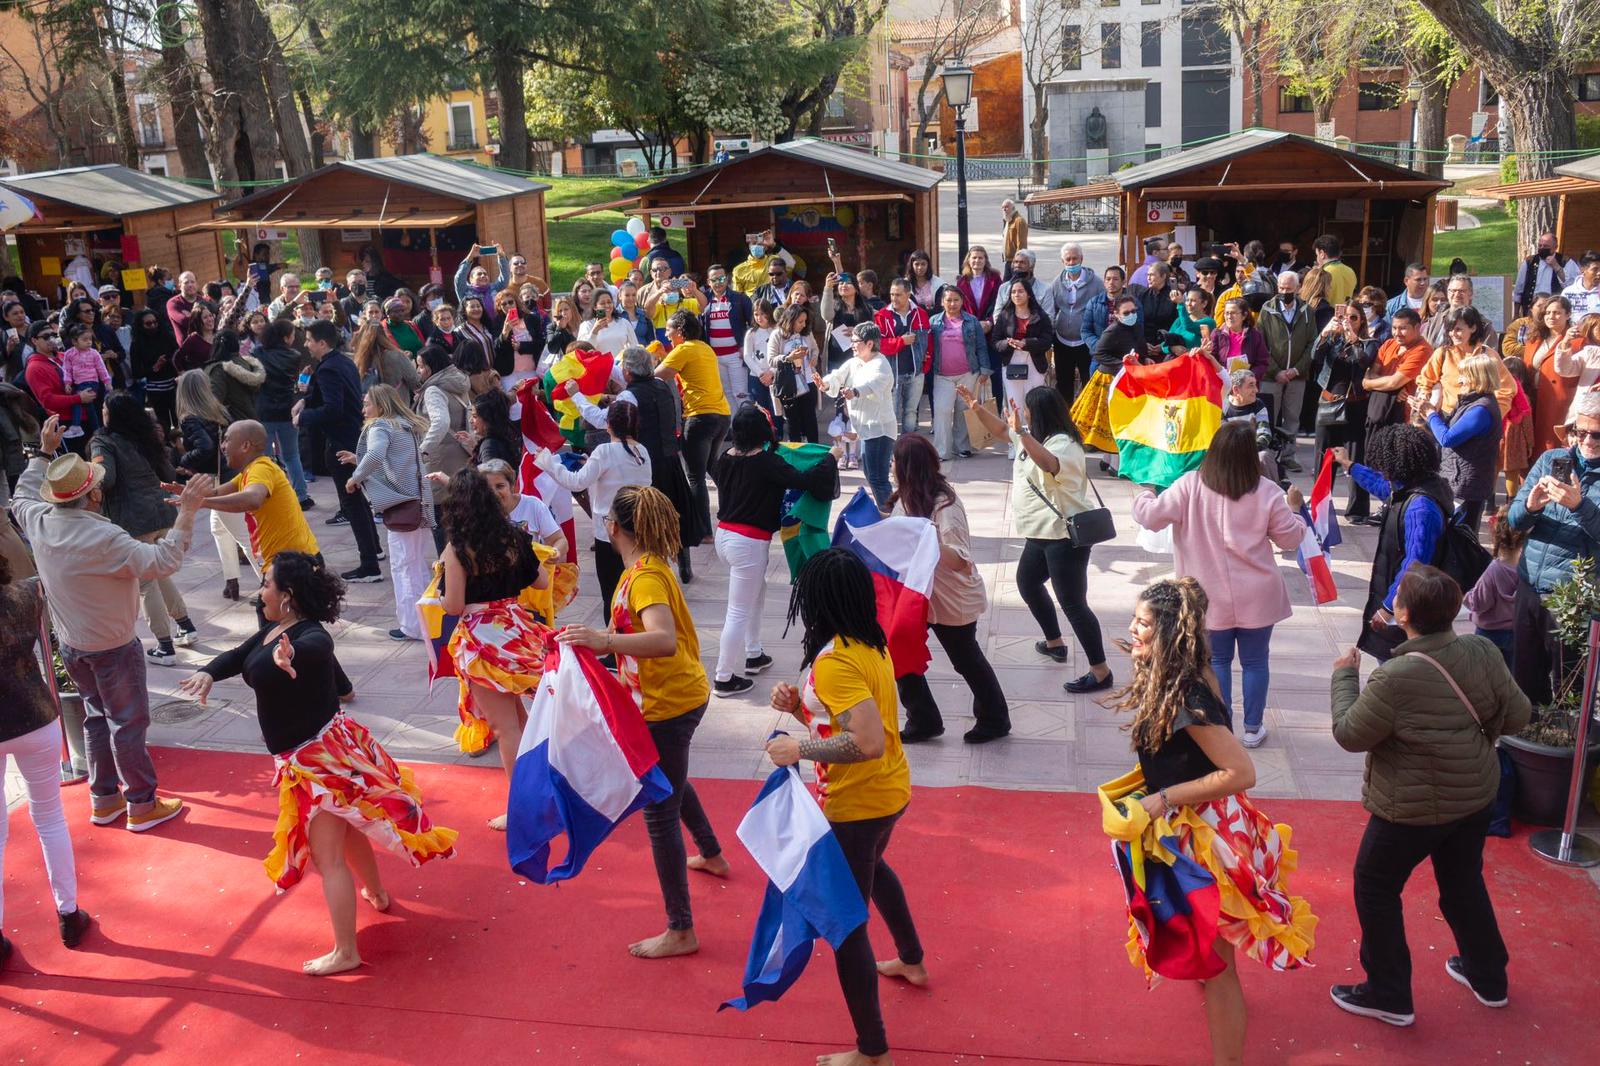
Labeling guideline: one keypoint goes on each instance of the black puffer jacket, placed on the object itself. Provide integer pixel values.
(277, 395)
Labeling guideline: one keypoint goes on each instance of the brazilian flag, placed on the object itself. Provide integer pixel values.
(805, 529)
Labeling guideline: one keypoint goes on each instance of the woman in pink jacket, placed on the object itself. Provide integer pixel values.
(1225, 520)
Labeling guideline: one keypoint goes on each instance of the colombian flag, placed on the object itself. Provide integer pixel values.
(804, 526)
(1163, 417)
(577, 371)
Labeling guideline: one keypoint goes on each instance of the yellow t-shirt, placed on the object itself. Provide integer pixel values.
(1341, 281)
(843, 675)
(696, 365)
(278, 525)
(677, 684)
(664, 310)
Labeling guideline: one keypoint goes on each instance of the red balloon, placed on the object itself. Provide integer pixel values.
(643, 243)
(616, 253)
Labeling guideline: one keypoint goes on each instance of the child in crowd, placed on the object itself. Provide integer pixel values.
(84, 368)
(755, 355)
(1490, 600)
(1244, 404)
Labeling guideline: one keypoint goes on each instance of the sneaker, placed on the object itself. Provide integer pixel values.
(108, 810)
(1458, 972)
(734, 685)
(398, 634)
(163, 810)
(362, 576)
(965, 453)
(163, 654)
(382, 555)
(757, 663)
(306, 503)
(1057, 653)
(73, 927)
(1254, 738)
(914, 735)
(1089, 683)
(187, 633)
(337, 520)
(982, 736)
(1357, 999)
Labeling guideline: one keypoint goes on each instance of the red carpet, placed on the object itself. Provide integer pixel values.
(195, 960)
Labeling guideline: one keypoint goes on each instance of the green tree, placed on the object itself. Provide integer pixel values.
(1315, 46)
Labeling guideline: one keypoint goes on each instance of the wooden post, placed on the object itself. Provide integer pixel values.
(861, 235)
(1427, 233)
(433, 253)
(1366, 222)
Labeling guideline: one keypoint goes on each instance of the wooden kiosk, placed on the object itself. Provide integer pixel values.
(137, 219)
(1269, 185)
(421, 212)
(877, 210)
(1578, 215)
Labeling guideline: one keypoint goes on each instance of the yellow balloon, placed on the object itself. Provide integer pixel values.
(620, 268)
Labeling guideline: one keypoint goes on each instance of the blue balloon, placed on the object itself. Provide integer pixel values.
(621, 238)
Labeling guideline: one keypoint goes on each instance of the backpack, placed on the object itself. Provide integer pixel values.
(1460, 555)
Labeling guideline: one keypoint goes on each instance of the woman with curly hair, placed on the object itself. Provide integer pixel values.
(652, 634)
(1190, 788)
(1402, 468)
(498, 646)
(331, 775)
(846, 700)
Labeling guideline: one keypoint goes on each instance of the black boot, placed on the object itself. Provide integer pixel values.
(685, 566)
(230, 589)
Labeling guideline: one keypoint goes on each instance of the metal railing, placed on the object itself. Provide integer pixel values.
(464, 144)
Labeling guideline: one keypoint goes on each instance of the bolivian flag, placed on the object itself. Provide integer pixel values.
(1163, 417)
(577, 371)
(804, 528)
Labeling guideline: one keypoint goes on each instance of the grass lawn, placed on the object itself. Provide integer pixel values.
(1489, 248)
(581, 240)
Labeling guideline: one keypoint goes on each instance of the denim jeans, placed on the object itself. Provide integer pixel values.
(284, 438)
(672, 739)
(1253, 661)
(876, 456)
(908, 398)
(949, 415)
(117, 716)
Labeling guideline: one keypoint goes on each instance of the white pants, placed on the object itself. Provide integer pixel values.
(735, 380)
(1018, 389)
(746, 560)
(231, 534)
(38, 756)
(949, 413)
(411, 558)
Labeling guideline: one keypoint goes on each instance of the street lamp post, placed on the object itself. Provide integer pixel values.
(957, 77)
(1414, 94)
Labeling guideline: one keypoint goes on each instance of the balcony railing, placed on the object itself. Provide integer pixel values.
(464, 143)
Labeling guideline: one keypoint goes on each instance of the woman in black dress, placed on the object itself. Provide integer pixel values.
(332, 776)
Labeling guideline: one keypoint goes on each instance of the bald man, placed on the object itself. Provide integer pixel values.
(179, 305)
(263, 495)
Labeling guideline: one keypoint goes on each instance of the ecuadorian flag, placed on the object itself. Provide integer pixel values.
(1163, 417)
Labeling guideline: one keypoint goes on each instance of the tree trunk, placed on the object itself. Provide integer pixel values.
(127, 139)
(1430, 128)
(363, 142)
(319, 139)
(1037, 144)
(261, 44)
(1540, 109)
(508, 70)
(183, 91)
(242, 123)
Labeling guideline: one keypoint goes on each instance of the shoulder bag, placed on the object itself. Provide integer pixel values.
(1462, 696)
(406, 516)
(1086, 528)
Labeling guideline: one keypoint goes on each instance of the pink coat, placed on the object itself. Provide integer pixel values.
(1227, 545)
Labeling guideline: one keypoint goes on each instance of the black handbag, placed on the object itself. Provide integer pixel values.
(1017, 370)
(1332, 412)
(1086, 528)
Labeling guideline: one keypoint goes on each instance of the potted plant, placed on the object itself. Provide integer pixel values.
(72, 715)
(1543, 751)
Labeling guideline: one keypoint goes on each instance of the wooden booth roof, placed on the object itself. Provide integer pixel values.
(1253, 163)
(1578, 176)
(410, 190)
(846, 175)
(99, 197)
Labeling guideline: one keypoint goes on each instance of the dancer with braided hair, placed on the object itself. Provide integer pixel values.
(658, 657)
(848, 699)
(1189, 791)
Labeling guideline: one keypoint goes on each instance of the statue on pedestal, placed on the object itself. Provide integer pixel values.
(1094, 130)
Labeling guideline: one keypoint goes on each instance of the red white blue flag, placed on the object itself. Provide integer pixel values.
(902, 554)
(1322, 533)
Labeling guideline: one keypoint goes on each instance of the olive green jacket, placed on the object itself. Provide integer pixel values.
(1427, 761)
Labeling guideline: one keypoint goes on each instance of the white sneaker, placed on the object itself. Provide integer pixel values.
(1254, 738)
(1011, 451)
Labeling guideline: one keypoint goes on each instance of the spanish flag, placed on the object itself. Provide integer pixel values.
(1163, 417)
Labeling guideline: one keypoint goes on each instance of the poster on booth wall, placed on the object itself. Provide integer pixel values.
(135, 280)
(72, 246)
(1491, 295)
(130, 248)
(50, 266)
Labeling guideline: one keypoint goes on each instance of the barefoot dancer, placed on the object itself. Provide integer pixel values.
(1194, 776)
(498, 646)
(658, 657)
(332, 777)
(850, 695)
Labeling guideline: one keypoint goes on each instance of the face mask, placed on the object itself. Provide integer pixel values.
(671, 298)
(1129, 320)
(358, 288)
(1074, 270)
(1371, 313)
(758, 251)
(1023, 274)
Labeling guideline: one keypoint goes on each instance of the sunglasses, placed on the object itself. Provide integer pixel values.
(47, 336)
(1585, 434)
(1207, 273)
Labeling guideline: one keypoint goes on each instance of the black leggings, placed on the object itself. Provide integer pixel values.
(863, 844)
(1069, 358)
(672, 739)
(800, 417)
(164, 402)
(1067, 569)
(966, 655)
(608, 569)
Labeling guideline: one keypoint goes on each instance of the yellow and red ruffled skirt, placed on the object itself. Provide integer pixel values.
(343, 771)
(501, 646)
(1246, 855)
(1091, 412)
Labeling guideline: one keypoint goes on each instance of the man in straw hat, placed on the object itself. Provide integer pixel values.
(91, 571)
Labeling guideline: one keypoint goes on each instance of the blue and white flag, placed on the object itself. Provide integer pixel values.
(810, 892)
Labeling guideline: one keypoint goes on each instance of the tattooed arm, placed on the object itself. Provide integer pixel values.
(858, 737)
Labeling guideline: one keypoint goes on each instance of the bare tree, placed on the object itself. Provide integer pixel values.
(957, 26)
(1044, 59)
(33, 70)
(1245, 21)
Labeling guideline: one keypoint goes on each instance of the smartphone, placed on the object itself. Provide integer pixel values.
(489, 249)
(317, 296)
(679, 283)
(1561, 468)
(833, 247)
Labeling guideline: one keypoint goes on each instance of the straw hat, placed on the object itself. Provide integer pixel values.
(68, 477)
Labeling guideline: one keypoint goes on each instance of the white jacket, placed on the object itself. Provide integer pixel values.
(871, 409)
(609, 468)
